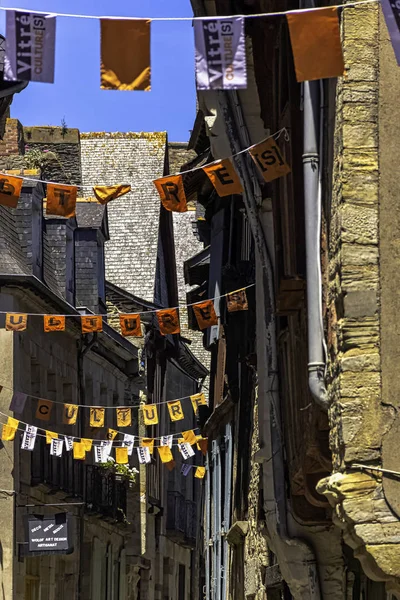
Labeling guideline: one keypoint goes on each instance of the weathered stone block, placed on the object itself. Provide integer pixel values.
(363, 303)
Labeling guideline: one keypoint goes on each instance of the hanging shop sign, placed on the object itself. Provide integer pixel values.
(49, 534)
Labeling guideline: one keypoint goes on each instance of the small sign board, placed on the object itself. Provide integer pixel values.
(49, 534)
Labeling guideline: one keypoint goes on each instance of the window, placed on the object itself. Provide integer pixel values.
(181, 582)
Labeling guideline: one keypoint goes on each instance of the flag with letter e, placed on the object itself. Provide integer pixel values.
(223, 177)
(220, 54)
(30, 47)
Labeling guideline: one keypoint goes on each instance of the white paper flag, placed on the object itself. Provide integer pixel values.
(220, 54)
(30, 47)
(166, 440)
(56, 447)
(185, 470)
(128, 442)
(107, 447)
(17, 404)
(100, 454)
(69, 442)
(144, 455)
(186, 450)
(29, 437)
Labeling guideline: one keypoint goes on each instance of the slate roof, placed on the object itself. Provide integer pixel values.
(91, 215)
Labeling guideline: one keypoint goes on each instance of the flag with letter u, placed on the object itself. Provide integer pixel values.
(220, 54)
(16, 322)
(150, 415)
(30, 47)
(10, 190)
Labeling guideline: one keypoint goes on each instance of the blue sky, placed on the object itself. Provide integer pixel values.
(76, 94)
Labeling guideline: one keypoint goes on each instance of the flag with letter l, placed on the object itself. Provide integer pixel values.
(315, 39)
(54, 323)
(391, 11)
(61, 200)
(30, 47)
(10, 190)
(172, 193)
(223, 177)
(96, 416)
(269, 160)
(220, 54)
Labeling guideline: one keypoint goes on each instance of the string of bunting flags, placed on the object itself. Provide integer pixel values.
(219, 41)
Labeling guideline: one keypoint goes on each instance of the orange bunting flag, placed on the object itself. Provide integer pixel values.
(8, 433)
(172, 193)
(43, 410)
(170, 465)
(87, 444)
(269, 160)
(50, 435)
(175, 410)
(16, 322)
(105, 193)
(10, 190)
(121, 455)
(205, 314)
(96, 416)
(315, 39)
(54, 323)
(79, 450)
(148, 443)
(61, 200)
(168, 321)
(237, 301)
(124, 417)
(125, 54)
(198, 400)
(189, 437)
(165, 454)
(224, 177)
(111, 434)
(70, 414)
(130, 325)
(200, 472)
(91, 324)
(150, 414)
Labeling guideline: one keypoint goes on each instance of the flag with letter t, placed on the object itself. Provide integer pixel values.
(220, 54)
(30, 47)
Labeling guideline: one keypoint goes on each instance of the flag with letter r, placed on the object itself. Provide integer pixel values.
(172, 193)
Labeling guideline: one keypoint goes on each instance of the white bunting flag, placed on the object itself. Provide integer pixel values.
(166, 440)
(220, 54)
(17, 404)
(391, 11)
(185, 470)
(186, 450)
(128, 442)
(69, 443)
(144, 455)
(29, 438)
(107, 447)
(56, 447)
(30, 47)
(100, 454)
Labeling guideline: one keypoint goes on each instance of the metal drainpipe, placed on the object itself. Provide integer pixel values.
(312, 207)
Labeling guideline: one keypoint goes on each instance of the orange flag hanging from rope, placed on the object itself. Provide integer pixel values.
(16, 322)
(224, 177)
(172, 193)
(43, 410)
(315, 38)
(124, 417)
(150, 415)
(125, 54)
(61, 200)
(10, 190)
(105, 193)
(130, 325)
(168, 321)
(97, 416)
(70, 414)
(205, 314)
(91, 324)
(165, 454)
(237, 301)
(269, 159)
(54, 323)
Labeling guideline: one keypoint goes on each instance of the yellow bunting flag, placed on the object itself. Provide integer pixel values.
(61, 200)
(198, 400)
(200, 472)
(269, 160)
(165, 454)
(148, 443)
(121, 455)
(170, 465)
(50, 435)
(315, 39)
(224, 177)
(189, 437)
(111, 434)
(125, 54)
(79, 450)
(237, 301)
(16, 322)
(175, 410)
(172, 193)
(105, 193)
(70, 414)
(8, 433)
(96, 416)
(10, 190)
(205, 314)
(87, 444)
(168, 321)
(124, 417)
(202, 444)
(91, 324)
(11, 422)
(150, 414)
(43, 410)
(54, 323)
(130, 325)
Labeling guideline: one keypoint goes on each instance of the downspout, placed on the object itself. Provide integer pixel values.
(312, 122)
